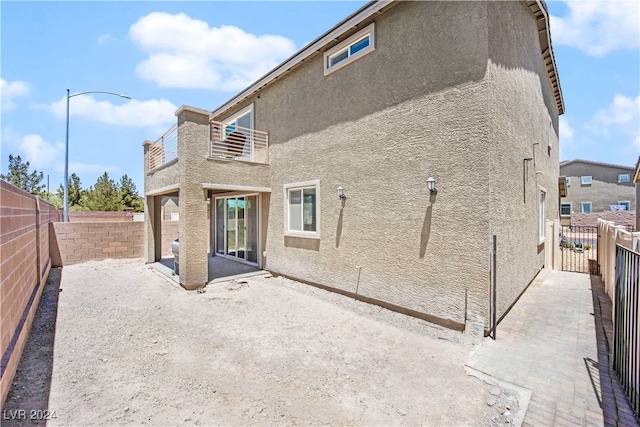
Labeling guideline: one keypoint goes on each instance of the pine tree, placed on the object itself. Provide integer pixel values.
(20, 176)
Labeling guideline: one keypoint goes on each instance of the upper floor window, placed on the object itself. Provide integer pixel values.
(624, 177)
(565, 209)
(586, 207)
(625, 205)
(356, 46)
(568, 181)
(585, 180)
(240, 122)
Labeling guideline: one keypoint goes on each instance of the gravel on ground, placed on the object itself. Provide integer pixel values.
(131, 348)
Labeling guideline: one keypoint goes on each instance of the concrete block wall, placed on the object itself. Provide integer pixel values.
(102, 216)
(626, 218)
(86, 241)
(25, 262)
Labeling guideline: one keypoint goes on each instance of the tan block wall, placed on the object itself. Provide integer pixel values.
(93, 216)
(626, 218)
(86, 241)
(24, 266)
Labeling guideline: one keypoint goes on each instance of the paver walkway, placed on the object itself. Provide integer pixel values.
(547, 344)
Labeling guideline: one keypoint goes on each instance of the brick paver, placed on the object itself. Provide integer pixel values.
(547, 344)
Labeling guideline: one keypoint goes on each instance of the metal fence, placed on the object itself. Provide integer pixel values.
(579, 249)
(626, 348)
(164, 149)
(232, 142)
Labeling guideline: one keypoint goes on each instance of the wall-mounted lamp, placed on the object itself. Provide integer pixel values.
(431, 185)
(341, 194)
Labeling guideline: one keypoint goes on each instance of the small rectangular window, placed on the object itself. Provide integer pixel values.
(624, 177)
(347, 51)
(626, 205)
(302, 210)
(542, 214)
(565, 209)
(568, 181)
(585, 180)
(586, 207)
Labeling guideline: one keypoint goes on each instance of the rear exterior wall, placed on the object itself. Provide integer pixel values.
(414, 107)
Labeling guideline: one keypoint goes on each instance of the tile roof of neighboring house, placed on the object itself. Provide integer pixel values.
(636, 176)
(568, 162)
(537, 7)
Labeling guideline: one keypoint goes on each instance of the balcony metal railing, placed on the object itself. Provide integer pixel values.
(164, 149)
(238, 143)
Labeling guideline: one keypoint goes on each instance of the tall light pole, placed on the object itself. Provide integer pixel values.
(66, 148)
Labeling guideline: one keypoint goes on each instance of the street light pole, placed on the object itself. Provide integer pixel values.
(66, 148)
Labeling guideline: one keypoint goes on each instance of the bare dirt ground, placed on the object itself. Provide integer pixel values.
(130, 348)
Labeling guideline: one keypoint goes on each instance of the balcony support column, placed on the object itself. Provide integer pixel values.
(193, 146)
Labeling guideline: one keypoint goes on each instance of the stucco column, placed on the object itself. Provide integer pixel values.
(152, 228)
(193, 137)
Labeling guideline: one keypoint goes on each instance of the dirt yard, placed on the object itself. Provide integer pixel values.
(131, 348)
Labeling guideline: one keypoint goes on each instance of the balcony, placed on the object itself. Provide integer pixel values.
(232, 142)
(164, 150)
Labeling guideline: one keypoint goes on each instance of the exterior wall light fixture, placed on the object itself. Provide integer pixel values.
(341, 194)
(431, 185)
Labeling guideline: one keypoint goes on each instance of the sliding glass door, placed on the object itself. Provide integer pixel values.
(237, 227)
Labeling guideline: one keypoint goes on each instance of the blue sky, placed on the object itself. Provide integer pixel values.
(165, 54)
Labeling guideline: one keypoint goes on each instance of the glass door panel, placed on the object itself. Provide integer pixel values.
(251, 222)
(232, 225)
(241, 229)
(219, 226)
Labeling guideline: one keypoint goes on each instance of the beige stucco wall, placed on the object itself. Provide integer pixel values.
(604, 189)
(380, 127)
(521, 107)
(453, 90)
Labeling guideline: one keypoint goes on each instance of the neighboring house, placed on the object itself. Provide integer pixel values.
(596, 187)
(464, 92)
(636, 180)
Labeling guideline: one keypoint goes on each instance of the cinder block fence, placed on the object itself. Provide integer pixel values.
(25, 261)
(32, 240)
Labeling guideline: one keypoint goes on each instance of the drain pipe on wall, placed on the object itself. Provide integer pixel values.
(358, 282)
(495, 291)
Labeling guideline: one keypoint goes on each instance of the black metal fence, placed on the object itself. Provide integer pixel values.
(626, 333)
(579, 249)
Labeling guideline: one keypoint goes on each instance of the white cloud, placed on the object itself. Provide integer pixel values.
(89, 168)
(105, 38)
(598, 27)
(187, 53)
(566, 131)
(39, 152)
(623, 110)
(620, 121)
(9, 91)
(132, 113)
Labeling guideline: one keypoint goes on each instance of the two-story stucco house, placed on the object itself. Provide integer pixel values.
(380, 160)
(596, 187)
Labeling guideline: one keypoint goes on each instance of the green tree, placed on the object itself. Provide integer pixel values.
(76, 193)
(52, 198)
(20, 176)
(129, 194)
(103, 196)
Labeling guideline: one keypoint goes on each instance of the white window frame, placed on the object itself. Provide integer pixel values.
(299, 186)
(624, 174)
(368, 30)
(565, 204)
(234, 117)
(542, 214)
(568, 181)
(620, 202)
(582, 204)
(588, 177)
